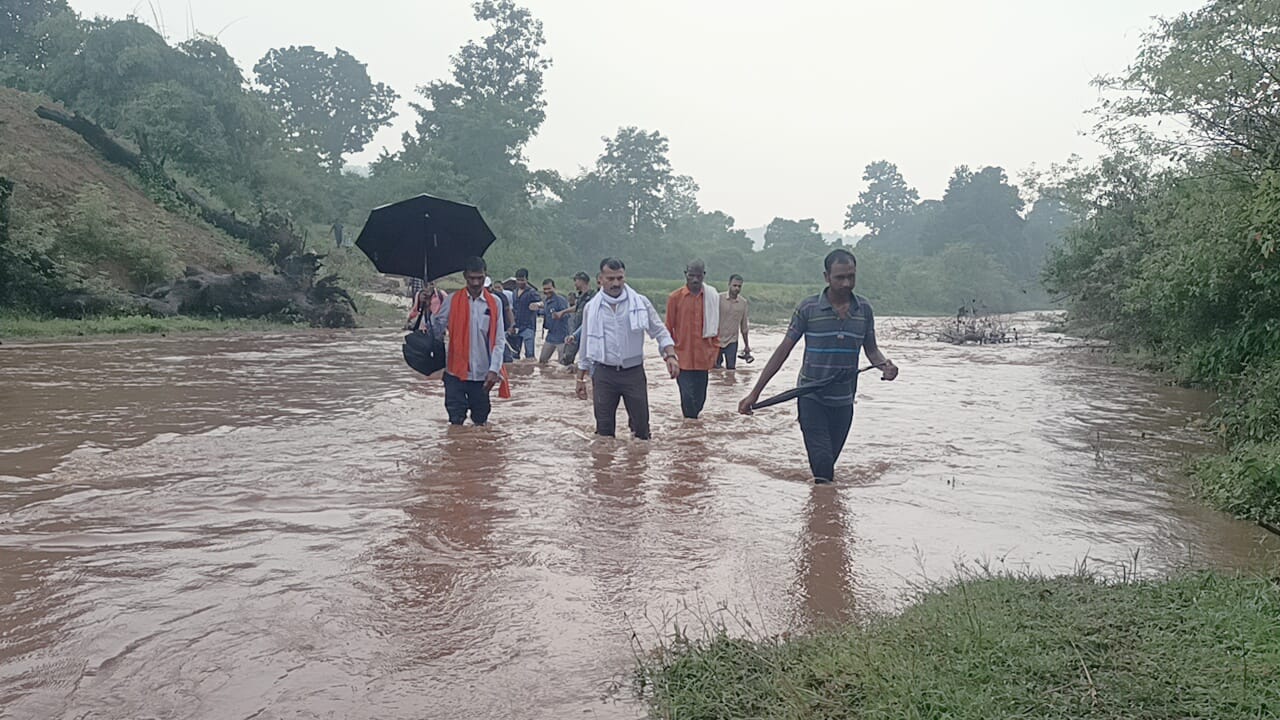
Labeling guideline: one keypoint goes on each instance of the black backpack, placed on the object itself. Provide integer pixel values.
(424, 352)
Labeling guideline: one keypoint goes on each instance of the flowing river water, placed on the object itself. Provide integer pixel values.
(284, 526)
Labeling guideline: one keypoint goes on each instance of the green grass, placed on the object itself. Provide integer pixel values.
(26, 326)
(375, 313)
(371, 314)
(1198, 646)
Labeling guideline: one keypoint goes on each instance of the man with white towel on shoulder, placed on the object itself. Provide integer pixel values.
(614, 324)
(693, 317)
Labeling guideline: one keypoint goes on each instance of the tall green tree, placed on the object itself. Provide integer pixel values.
(886, 199)
(480, 121)
(712, 237)
(983, 210)
(114, 62)
(642, 193)
(793, 235)
(329, 105)
(23, 35)
(1216, 69)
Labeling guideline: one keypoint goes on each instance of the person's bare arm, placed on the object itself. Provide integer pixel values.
(872, 350)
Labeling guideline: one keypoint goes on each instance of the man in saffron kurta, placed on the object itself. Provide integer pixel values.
(473, 319)
(693, 317)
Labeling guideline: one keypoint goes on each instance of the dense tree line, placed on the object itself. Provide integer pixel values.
(1174, 251)
(275, 142)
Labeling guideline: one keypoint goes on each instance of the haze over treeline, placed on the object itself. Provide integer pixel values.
(273, 138)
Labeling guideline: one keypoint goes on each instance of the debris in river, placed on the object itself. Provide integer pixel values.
(973, 324)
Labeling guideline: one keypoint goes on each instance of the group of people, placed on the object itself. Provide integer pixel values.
(522, 305)
(602, 333)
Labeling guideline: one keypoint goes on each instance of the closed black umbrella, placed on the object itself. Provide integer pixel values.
(424, 236)
(808, 388)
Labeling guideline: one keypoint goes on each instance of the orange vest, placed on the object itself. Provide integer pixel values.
(459, 355)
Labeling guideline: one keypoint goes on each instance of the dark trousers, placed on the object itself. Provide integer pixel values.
(631, 387)
(825, 429)
(693, 391)
(727, 358)
(463, 395)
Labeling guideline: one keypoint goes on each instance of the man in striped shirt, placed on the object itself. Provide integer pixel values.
(837, 326)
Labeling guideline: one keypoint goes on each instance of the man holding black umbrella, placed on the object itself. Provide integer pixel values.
(471, 322)
(837, 326)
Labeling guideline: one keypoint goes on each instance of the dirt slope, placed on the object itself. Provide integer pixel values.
(52, 166)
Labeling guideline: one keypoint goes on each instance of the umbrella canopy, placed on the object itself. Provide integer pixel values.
(424, 237)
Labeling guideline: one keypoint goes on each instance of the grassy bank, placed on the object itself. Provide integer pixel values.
(1203, 645)
(19, 326)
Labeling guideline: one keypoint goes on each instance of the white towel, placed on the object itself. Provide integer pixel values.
(710, 312)
(593, 340)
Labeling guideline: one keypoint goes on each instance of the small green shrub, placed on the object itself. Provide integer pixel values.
(93, 239)
(1244, 482)
(1249, 409)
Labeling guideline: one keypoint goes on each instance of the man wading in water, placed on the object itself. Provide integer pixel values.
(614, 324)
(837, 326)
(472, 318)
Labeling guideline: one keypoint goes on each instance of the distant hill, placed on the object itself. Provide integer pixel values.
(52, 168)
(757, 237)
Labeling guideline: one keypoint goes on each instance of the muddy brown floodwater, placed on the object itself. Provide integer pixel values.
(286, 527)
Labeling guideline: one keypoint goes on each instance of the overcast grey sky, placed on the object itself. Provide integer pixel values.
(774, 108)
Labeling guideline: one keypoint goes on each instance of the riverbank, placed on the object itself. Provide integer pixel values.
(372, 313)
(1243, 477)
(1199, 645)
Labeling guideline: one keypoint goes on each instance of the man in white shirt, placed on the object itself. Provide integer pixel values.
(614, 324)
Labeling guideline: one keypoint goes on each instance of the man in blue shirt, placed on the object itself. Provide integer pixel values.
(837, 326)
(555, 320)
(526, 315)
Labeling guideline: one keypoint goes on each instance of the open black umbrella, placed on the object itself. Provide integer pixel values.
(424, 237)
(807, 388)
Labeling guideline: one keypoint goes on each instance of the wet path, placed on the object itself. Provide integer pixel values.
(282, 527)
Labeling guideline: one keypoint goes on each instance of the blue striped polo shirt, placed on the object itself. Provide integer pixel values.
(832, 344)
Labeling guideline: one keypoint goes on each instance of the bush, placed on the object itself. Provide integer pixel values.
(1249, 409)
(93, 240)
(28, 275)
(1244, 482)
